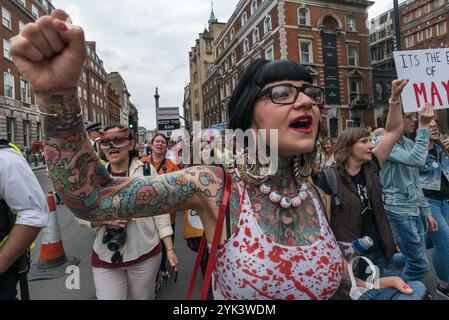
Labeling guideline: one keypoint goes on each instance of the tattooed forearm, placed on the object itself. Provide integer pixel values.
(87, 188)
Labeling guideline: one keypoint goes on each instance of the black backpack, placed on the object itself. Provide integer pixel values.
(332, 182)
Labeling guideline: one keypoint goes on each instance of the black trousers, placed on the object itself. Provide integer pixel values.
(8, 284)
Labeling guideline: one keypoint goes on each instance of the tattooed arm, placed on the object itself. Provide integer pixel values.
(50, 54)
(92, 194)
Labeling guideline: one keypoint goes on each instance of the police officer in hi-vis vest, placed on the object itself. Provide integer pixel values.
(23, 212)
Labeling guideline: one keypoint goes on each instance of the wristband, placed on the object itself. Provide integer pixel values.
(171, 248)
(394, 102)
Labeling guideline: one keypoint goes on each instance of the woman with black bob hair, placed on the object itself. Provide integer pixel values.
(259, 73)
(252, 261)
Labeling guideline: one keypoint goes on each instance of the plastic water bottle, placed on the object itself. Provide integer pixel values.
(356, 247)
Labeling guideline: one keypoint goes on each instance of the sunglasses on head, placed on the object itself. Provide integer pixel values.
(116, 142)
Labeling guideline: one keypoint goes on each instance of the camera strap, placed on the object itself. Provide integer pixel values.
(161, 165)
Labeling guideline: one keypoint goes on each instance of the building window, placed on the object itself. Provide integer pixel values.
(429, 32)
(93, 98)
(244, 18)
(233, 58)
(225, 42)
(231, 36)
(353, 55)
(350, 23)
(269, 54)
(354, 91)
(21, 26)
(440, 3)
(333, 128)
(245, 45)
(25, 95)
(427, 8)
(34, 11)
(409, 41)
(303, 17)
(441, 28)
(7, 49)
(9, 85)
(379, 92)
(256, 37)
(253, 6)
(80, 92)
(85, 94)
(408, 17)
(420, 35)
(379, 122)
(356, 122)
(10, 130)
(418, 12)
(26, 133)
(267, 26)
(388, 90)
(6, 18)
(305, 51)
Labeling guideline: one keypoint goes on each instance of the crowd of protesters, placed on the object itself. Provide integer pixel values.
(273, 231)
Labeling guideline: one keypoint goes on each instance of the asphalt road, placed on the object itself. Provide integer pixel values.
(78, 243)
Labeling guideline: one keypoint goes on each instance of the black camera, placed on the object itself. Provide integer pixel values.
(114, 237)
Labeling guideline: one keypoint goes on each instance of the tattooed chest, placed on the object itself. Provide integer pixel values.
(294, 227)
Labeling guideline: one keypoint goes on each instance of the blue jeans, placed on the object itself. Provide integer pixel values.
(419, 293)
(408, 233)
(439, 240)
(386, 270)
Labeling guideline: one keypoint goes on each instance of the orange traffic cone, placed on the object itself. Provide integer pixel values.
(52, 251)
(52, 259)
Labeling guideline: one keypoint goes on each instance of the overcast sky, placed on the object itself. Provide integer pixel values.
(148, 41)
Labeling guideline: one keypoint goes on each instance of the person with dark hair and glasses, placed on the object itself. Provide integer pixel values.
(255, 260)
(127, 252)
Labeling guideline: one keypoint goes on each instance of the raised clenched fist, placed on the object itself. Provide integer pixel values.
(50, 53)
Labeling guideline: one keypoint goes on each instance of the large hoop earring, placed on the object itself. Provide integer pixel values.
(254, 174)
(303, 164)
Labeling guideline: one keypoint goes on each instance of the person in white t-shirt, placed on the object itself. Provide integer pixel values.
(23, 212)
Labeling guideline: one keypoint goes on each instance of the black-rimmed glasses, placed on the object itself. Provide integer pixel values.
(287, 93)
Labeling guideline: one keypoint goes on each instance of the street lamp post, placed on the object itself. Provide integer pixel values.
(397, 25)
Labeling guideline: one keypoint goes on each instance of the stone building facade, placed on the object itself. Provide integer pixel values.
(330, 38)
(19, 117)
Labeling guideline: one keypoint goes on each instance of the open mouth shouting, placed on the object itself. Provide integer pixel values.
(114, 152)
(302, 124)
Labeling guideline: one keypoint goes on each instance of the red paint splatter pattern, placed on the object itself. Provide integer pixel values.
(250, 267)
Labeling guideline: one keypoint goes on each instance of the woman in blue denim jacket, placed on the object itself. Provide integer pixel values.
(404, 199)
(434, 178)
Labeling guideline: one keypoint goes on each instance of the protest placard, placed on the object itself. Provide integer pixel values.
(428, 71)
